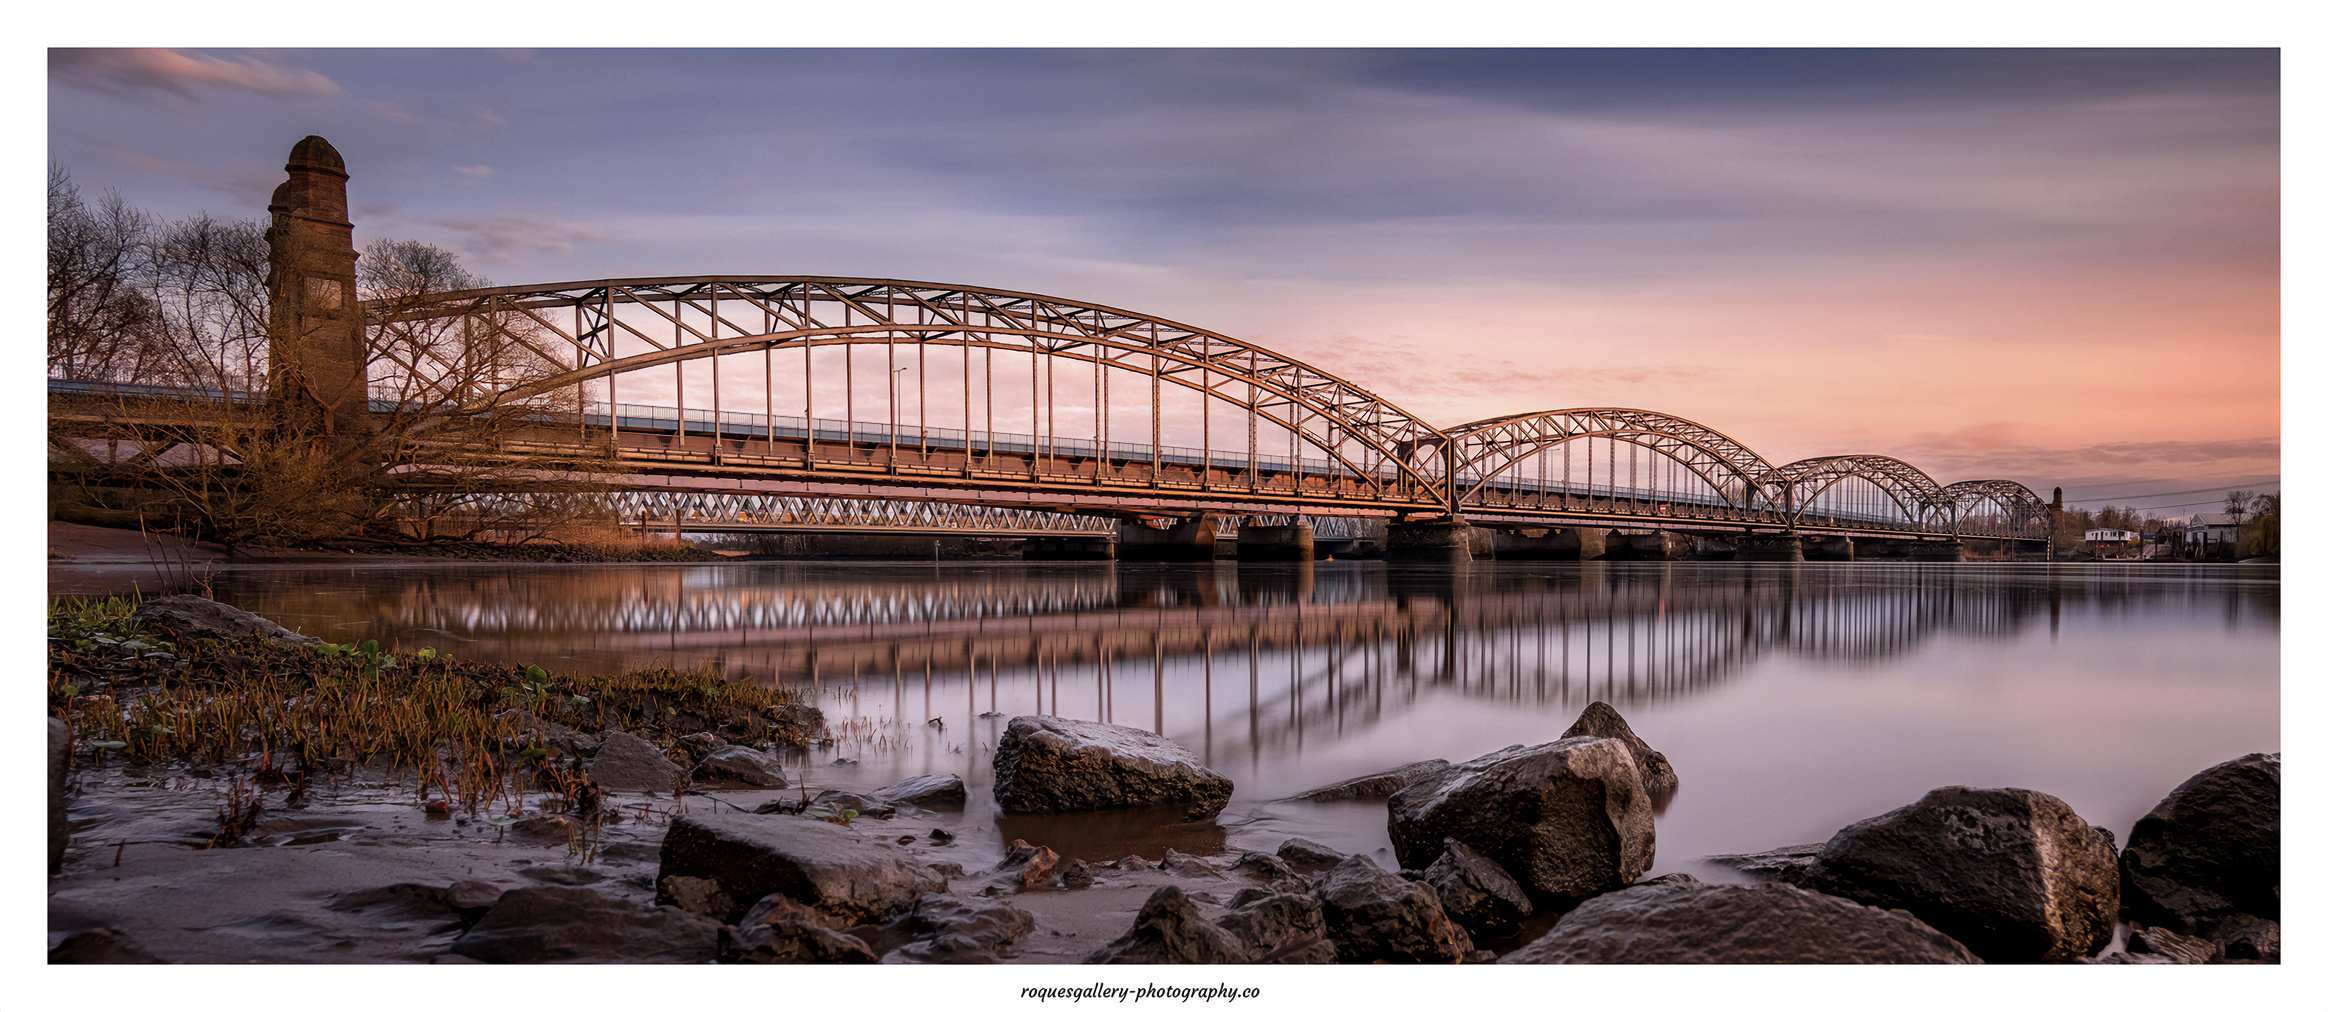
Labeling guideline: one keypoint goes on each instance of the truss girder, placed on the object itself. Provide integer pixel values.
(1804, 481)
(1356, 430)
(1489, 448)
(746, 510)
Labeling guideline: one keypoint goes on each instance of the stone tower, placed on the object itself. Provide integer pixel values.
(315, 331)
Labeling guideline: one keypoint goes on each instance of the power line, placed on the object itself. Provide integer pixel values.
(2179, 491)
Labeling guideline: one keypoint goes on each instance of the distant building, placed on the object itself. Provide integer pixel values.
(2109, 542)
(2201, 536)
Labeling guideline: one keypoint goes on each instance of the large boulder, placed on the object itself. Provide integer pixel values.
(1600, 720)
(627, 762)
(1169, 929)
(193, 616)
(841, 873)
(60, 757)
(2211, 849)
(2013, 874)
(1052, 764)
(1477, 892)
(569, 924)
(1375, 916)
(1566, 819)
(1677, 919)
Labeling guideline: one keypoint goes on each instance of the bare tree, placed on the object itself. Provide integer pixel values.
(2236, 502)
(98, 318)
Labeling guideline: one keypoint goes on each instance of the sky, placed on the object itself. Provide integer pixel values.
(2056, 266)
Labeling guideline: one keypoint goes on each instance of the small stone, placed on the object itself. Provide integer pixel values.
(195, 617)
(1027, 866)
(742, 765)
(99, 945)
(2246, 938)
(626, 762)
(937, 791)
(1279, 926)
(1794, 865)
(1078, 875)
(951, 930)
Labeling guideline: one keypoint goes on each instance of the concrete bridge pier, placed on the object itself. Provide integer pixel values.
(1445, 540)
(1193, 539)
(1769, 547)
(1295, 542)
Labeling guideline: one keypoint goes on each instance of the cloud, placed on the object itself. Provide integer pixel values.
(473, 171)
(500, 238)
(121, 71)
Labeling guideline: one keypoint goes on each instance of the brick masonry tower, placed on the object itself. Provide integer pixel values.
(315, 331)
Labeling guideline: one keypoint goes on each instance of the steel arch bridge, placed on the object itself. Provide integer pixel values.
(766, 399)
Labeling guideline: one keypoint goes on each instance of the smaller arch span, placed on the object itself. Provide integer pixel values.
(1483, 452)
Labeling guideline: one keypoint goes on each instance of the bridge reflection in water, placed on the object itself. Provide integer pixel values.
(1247, 664)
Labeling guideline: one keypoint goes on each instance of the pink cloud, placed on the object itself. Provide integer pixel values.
(123, 70)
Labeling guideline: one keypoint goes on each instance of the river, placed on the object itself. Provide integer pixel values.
(1791, 699)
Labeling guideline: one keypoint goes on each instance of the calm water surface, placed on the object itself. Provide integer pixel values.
(1792, 699)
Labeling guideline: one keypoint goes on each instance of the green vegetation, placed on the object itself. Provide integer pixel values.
(289, 711)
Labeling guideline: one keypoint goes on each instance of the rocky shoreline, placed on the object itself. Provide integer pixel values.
(679, 848)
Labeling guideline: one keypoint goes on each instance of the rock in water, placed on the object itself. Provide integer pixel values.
(568, 924)
(1793, 865)
(1374, 915)
(1477, 893)
(778, 930)
(741, 765)
(1374, 785)
(1675, 919)
(2209, 850)
(1169, 930)
(1051, 764)
(627, 762)
(949, 929)
(844, 875)
(1308, 857)
(60, 756)
(200, 616)
(1566, 819)
(2013, 874)
(943, 790)
(1600, 720)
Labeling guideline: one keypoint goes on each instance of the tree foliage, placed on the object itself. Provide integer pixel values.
(136, 303)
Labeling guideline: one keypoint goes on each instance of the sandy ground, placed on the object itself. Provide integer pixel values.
(300, 894)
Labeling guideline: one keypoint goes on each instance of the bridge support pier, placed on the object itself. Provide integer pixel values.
(1769, 547)
(1191, 540)
(1655, 546)
(1571, 544)
(1296, 542)
(1429, 541)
